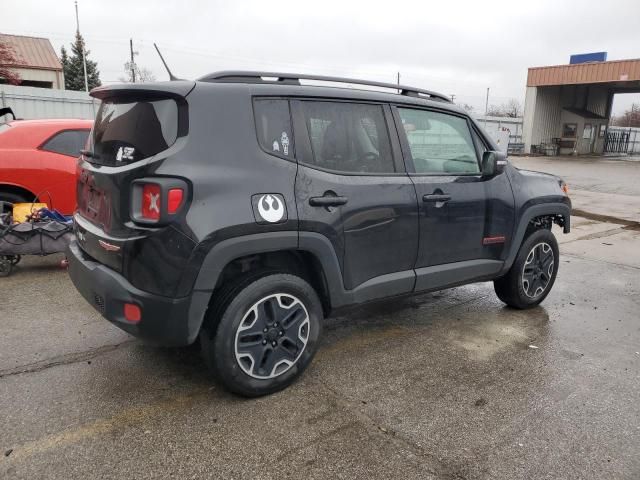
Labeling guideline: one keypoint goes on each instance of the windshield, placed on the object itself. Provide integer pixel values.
(127, 131)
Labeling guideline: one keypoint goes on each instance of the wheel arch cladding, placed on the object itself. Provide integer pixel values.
(532, 212)
(327, 281)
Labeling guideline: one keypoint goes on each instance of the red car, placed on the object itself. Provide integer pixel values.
(38, 160)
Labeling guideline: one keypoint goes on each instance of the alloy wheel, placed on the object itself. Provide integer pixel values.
(538, 270)
(272, 335)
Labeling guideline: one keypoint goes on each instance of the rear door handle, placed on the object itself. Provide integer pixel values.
(327, 201)
(435, 197)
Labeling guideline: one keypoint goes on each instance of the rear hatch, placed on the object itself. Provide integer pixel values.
(136, 128)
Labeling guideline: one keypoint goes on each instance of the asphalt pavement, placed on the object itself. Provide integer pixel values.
(450, 385)
(604, 188)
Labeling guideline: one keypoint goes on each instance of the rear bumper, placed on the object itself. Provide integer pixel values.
(165, 321)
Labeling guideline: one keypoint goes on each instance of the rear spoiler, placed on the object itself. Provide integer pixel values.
(177, 88)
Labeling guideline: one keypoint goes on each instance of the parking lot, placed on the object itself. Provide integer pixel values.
(444, 385)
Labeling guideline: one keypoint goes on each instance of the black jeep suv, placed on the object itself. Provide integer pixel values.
(242, 208)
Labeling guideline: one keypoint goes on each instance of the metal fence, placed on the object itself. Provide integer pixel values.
(31, 102)
(632, 137)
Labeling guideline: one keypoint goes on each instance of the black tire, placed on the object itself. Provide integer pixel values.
(5, 266)
(10, 197)
(251, 364)
(525, 289)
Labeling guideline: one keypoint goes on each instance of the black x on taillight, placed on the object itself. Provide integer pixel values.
(157, 200)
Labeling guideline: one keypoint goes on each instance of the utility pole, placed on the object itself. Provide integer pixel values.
(84, 58)
(486, 104)
(133, 64)
(398, 81)
(486, 108)
(453, 97)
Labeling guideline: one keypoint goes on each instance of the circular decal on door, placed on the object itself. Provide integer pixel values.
(270, 207)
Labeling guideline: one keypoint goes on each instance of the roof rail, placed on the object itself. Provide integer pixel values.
(239, 76)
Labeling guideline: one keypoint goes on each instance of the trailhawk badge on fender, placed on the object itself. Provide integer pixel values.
(269, 208)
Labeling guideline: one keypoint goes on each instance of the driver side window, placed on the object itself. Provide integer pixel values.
(348, 137)
(439, 143)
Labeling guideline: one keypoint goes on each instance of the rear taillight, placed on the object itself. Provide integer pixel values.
(151, 201)
(157, 200)
(175, 200)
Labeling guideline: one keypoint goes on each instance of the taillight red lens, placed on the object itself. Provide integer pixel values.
(132, 312)
(174, 200)
(151, 201)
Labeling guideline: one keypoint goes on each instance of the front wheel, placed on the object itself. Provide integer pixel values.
(263, 334)
(533, 272)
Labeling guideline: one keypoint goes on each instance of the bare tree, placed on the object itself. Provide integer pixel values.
(467, 108)
(630, 118)
(8, 59)
(142, 74)
(511, 109)
(494, 111)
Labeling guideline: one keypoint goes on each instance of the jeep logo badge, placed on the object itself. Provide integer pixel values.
(269, 208)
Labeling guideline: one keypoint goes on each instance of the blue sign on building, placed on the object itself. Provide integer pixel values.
(588, 57)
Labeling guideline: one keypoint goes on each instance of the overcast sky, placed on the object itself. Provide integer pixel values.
(455, 47)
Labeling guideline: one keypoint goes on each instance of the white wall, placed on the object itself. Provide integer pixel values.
(529, 109)
(32, 102)
(41, 75)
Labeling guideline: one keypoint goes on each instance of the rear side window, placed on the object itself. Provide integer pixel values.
(348, 137)
(439, 142)
(273, 125)
(67, 142)
(127, 130)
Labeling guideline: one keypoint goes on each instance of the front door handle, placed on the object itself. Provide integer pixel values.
(436, 197)
(327, 201)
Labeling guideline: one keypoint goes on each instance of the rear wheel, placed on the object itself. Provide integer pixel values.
(533, 272)
(7, 199)
(263, 333)
(6, 265)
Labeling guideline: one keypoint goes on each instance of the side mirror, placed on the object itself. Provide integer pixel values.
(493, 163)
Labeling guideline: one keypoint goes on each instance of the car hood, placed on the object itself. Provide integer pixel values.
(532, 173)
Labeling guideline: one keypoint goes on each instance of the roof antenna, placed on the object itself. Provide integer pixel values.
(171, 76)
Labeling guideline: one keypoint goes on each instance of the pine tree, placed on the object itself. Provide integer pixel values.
(73, 69)
(64, 58)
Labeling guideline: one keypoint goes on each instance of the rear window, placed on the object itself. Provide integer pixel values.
(348, 137)
(127, 131)
(67, 142)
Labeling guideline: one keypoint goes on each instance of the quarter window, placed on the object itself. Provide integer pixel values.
(439, 143)
(273, 124)
(348, 137)
(67, 142)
